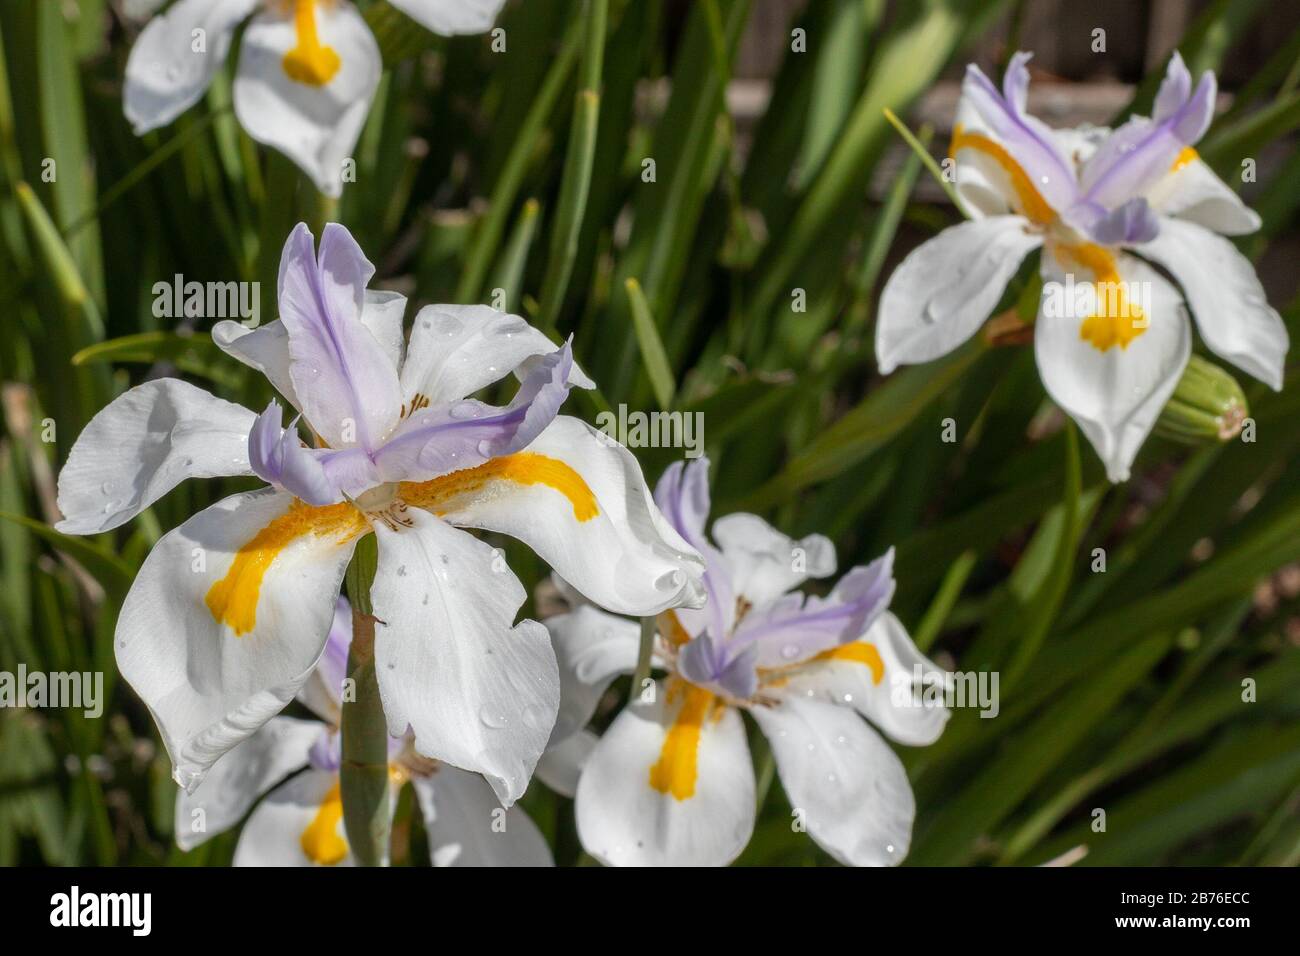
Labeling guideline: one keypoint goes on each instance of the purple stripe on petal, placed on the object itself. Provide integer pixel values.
(682, 494)
(277, 456)
(1142, 151)
(792, 630)
(1027, 138)
(344, 379)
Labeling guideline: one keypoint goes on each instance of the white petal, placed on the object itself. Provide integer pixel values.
(1115, 395)
(300, 813)
(561, 765)
(849, 787)
(1225, 296)
(764, 562)
(208, 686)
(142, 445)
(383, 314)
(591, 648)
(315, 126)
(1192, 192)
(877, 676)
(945, 289)
(458, 349)
(468, 827)
(479, 694)
(450, 17)
(165, 73)
(235, 781)
(704, 815)
(589, 515)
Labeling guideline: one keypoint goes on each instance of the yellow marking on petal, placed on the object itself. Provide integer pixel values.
(233, 599)
(310, 62)
(671, 629)
(678, 765)
(1116, 321)
(1187, 155)
(523, 468)
(1032, 204)
(321, 841)
(858, 652)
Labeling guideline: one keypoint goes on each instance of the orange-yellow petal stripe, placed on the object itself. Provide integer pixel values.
(233, 599)
(309, 62)
(1032, 204)
(321, 841)
(523, 468)
(1117, 321)
(857, 652)
(677, 769)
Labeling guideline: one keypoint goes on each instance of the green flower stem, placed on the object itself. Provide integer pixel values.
(363, 773)
(649, 625)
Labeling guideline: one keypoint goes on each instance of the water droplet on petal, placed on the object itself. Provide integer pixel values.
(790, 651)
(492, 719)
(464, 410)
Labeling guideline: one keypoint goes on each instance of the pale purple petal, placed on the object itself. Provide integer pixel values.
(344, 379)
(326, 753)
(705, 662)
(1132, 223)
(791, 630)
(682, 494)
(276, 456)
(1025, 137)
(1142, 151)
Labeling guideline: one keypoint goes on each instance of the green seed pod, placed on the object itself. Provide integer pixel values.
(1208, 405)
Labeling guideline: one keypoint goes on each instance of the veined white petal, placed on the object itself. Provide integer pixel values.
(383, 313)
(764, 562)
(1225, 296)
(315, 125)
(450, 17)
(877, 675)
(1191, 191)
(468, 827)
(232, 786)
(592, 648)
(843, 781)
(945, 289)
(480, 692)
(458, 349)
(175, 58)
(561, 765)
(669, 784)
(142, 445)
(579, 500)
(1115, 393)
(228, 616)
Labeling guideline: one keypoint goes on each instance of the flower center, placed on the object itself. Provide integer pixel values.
(310, 62)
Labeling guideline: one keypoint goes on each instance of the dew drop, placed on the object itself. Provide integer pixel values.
(790, 651)
(464, 410)
(492, 719)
